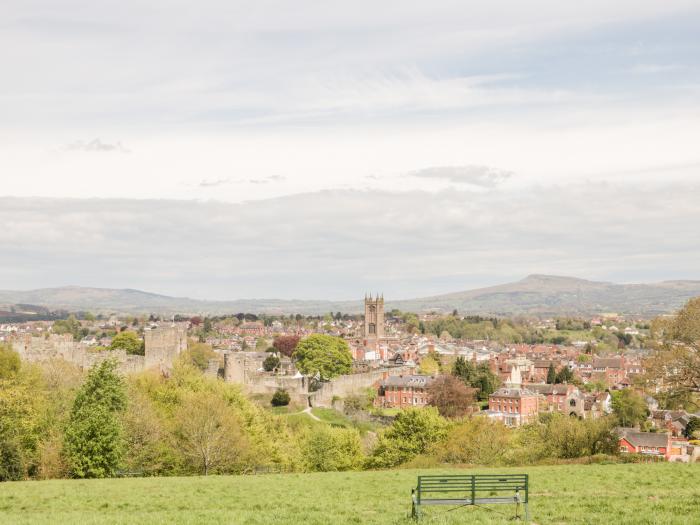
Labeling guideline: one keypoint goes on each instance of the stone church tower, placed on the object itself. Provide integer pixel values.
(374, 318)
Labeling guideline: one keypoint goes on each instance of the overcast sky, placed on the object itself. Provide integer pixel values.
(319, 149)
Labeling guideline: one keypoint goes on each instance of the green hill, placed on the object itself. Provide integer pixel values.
(544, 295)
(570, 494)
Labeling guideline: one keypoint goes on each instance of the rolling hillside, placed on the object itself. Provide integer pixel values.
(543, 295)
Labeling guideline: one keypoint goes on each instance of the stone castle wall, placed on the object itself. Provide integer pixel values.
(244, 368)
(163, 345)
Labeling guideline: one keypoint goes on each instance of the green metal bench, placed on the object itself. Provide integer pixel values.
(471, 489)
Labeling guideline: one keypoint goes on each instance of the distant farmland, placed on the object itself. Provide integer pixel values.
(578, 494)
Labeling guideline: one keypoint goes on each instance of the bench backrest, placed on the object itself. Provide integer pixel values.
(469, 485)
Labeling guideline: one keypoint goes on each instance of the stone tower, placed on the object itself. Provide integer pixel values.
(374, 317)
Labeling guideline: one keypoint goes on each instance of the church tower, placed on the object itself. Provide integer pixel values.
(374, 317)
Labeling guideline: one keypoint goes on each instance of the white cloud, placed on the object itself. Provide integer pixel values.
(331, 244)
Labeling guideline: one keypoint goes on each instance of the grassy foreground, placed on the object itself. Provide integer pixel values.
(590, 494)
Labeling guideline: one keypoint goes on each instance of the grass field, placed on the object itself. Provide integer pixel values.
(581, 494)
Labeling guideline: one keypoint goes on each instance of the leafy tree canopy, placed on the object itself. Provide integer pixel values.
(323, 354)
(128, 341)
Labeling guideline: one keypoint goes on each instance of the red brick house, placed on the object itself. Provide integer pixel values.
(404, 391)
(512, 404)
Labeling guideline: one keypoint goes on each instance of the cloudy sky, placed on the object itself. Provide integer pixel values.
(319, 149)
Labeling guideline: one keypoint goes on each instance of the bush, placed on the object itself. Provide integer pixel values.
(280, 398)
(11, 465)
(9, 361)
(199, 354)
(271, 363)
(327, 449)
(477, 441)
(414, 431)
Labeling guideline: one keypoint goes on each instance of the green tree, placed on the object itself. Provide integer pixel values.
(464, 370)
(69, 326)
(326, 449)
(692, 428)
(413, 432)
(11, 464)
(551, 374)
(477, 441)
(564, 375)
(323, 354)
(9, 361)
(429, 365)
(94, 442)
(271, 362)
(94, 436)
(198, 354)
(629, 407)
(486, 381)
(209, 434)
(129, 342)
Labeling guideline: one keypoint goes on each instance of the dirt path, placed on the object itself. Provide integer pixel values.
(308, 412)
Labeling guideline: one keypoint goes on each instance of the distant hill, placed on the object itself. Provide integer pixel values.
(542, 295)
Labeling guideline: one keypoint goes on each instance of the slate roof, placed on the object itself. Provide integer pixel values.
(646, 439)
(417, 381)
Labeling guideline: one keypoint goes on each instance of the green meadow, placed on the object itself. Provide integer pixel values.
(585, 494)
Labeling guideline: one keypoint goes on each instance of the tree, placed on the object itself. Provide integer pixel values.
(11, 464)
(69, 326)
(199, 354)
(486, 381)
(94, 442)
(325, 355)
(551, 374)
(94, 437)
(128, 341)
(692, 428)
(564, 375)
(9, 361)
(280, 398)
(464, 370)
(271, 362)
(209, 434)
(451, 396)
(429, 365)
(676, 363)
(480, 377)
(286, 344)
(326, 449)
(477, 441)
(413, 432)
(629, 407)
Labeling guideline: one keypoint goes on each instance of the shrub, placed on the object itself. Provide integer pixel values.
(280, 398)
(327, 449)
(271, 363)
(11, 465)
(414, 431)
(477, 441)
(9, 361)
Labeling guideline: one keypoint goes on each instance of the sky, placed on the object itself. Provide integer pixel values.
(309, 149)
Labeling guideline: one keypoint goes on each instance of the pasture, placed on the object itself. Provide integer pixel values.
(577, 494)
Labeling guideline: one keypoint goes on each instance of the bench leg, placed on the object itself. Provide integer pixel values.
(527, 514)
(415, 511)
